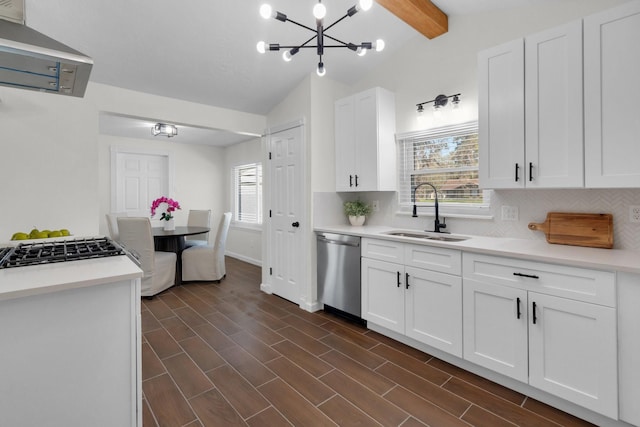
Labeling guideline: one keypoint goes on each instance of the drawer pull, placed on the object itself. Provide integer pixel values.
(517, 169)
(356, 180)
(350, 180)
(406, 280)
(531, 276)
(518, 313)
(398, 279)
(533, 307)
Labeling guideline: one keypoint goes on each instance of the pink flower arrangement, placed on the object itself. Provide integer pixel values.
(172, 205)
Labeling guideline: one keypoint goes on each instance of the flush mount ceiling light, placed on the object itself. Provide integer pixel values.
(163, 129)
(440, 101)
(319, 12)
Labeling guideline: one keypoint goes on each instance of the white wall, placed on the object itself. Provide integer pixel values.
(242, 242)
(199, 176)
(48, 162)
(54, 164)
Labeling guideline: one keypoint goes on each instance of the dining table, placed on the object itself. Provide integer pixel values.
(174, 241)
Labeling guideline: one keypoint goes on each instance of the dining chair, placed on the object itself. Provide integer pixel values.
(112, 223)
(206, 263)
(198, 218)
(159, 268)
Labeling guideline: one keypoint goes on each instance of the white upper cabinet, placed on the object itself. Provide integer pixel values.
(553, 108)
(611, 94)
(531, 111)
(501, 115)
(365, 141)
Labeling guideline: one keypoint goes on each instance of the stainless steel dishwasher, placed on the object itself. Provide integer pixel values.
(339, 273)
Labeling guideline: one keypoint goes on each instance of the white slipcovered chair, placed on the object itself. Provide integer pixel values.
(112, 223)
(159, 268)
(198, 218)
(206, 263)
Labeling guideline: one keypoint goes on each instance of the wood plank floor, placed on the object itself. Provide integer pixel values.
(230, 355)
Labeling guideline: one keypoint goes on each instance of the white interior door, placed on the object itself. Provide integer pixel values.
(286, 206)
(139, 179)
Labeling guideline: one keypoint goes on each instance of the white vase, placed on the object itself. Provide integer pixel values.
(169, 225)
(356, 220)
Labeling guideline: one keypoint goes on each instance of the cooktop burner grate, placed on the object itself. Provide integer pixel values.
(59, 251)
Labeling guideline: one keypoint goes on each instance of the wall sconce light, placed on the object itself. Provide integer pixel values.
(164, 130)
(440, 101)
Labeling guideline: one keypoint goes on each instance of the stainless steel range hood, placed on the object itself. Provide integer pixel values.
(31, 60)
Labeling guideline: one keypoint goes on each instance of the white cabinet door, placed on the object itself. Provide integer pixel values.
(553, 110)
(433, 307)
(612, 89)
(383, 294)
(501, 116)
(365, 141)
(572, 351)
(495, 328)
(345, 144)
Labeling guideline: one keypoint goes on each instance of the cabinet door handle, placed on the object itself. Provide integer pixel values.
(356, 180)
(398, 279)
(406, 280)
(517, 170)
(531, 276)
(518, 313)
(530, 171)
(533, 306)
(350, 180)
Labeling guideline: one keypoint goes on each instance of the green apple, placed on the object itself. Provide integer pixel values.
(65, 232)
(42, 235)
(34, 233)
(55, 233)
(20, 236)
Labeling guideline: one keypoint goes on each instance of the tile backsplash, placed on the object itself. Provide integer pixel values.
(532, 206)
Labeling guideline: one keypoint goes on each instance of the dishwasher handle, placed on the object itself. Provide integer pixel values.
(337, 242)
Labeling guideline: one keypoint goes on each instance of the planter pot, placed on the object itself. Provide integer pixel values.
(169, 225)
(356, 220)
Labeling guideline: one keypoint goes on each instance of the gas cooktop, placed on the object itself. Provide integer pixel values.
(34, 253)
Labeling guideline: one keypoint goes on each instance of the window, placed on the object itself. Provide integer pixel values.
(447, 158)
(247, 193)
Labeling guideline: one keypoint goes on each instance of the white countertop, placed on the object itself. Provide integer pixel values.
(533, 250)
(39, 279)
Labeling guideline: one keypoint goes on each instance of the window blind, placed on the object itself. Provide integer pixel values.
(248, 193)
(447, 158)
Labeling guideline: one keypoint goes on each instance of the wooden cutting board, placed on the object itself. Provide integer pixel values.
(577, 229)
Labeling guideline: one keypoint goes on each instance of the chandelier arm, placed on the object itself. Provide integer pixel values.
(339, 20)
(301, 25)
(339, 41)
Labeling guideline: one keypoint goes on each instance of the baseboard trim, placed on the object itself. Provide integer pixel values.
(244, 258)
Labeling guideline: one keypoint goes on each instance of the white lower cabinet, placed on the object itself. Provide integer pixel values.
(551, 326)
(422, 304)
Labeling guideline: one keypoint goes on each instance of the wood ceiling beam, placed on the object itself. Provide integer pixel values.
(424, 16)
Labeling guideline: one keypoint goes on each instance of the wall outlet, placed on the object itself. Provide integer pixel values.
(634, 214)
(376, 205)
(509, 213)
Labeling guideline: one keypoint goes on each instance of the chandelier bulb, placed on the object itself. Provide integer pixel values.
(261, 46)
(361, 51)
(286, 55)
(379, 45)
(365, 4)
(266, 11)
(321, 70)
(319, 11)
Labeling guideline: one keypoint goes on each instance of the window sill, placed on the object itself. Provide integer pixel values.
(448, 215)
(250, 226)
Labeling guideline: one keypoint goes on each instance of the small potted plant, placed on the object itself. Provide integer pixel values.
(356, 211)
(167, 206)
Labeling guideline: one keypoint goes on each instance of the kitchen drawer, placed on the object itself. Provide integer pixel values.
(433, 258)
(384, 250)
(580, 284)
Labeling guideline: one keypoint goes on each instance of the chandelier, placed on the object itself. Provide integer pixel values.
(319, 12)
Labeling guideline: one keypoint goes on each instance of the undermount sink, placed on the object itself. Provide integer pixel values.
(427, 236)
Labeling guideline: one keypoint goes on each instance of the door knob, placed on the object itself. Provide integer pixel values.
(295, 224)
